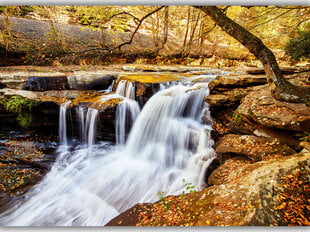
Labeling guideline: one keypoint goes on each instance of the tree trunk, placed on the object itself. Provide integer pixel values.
(280, 87)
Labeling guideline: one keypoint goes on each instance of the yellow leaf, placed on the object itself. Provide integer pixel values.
(208, 222)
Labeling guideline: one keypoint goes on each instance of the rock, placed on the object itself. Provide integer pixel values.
(2, 85)
(251, 198)
(305, 145)
(256, 148)
(284, 70)
(130, 216)
(227, 98)
(91, 81)
(17, 79)
(238, 80)
(45, 83)
(218, 100)
(257, 195)
(284, 137)
(221, 174)
(261, 107)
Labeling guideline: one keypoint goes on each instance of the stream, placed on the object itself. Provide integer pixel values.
(92, 181)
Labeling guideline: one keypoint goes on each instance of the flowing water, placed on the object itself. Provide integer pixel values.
(89, 185)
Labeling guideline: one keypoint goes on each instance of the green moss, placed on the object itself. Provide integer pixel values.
(237, 117)
(21, 106)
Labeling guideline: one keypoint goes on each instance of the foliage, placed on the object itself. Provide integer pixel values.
(163, 201)
(299, 47)
(21, 106)
(237, 117)
(190, 188)
(16, 10)
(197, 34)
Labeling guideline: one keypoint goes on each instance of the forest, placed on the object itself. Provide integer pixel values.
(154, 115)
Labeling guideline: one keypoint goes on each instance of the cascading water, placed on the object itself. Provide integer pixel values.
(63, 122)
(168, 142)
(127, 111)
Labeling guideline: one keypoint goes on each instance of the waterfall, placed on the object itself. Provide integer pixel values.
(126, 112)
(63, 123)
(88, 187)
(126, 89)
(87, 124)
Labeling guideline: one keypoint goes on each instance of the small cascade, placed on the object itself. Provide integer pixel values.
(168, 142)
(90, 126)
(127, 111)
(126, 89)
(63, 123)
(87, 124)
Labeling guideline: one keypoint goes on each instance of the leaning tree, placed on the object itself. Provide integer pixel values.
(280, 87)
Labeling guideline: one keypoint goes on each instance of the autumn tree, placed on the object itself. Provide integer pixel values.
(280, 87)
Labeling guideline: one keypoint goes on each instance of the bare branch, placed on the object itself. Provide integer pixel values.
(138, 26)
(123, 13)
(268, 21)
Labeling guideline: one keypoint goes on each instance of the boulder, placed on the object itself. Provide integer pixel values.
(261, 107)
(265, 193)
(221, 174)
(255, 196)
(256, 148)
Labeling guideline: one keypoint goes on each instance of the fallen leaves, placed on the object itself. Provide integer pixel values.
(293, 199)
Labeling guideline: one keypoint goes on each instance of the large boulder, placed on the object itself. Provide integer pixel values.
(254, 147)
(261, 107)
(265, 193)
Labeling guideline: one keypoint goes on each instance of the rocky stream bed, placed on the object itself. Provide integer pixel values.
(260, 176)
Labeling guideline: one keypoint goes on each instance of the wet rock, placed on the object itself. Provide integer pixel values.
(256, 148)
(261, 107)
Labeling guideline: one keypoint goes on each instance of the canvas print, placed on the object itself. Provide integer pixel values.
(154, 115)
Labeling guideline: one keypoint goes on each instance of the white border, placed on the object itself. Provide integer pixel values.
(157, 2)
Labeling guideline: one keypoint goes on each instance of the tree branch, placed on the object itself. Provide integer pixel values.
(138, 26)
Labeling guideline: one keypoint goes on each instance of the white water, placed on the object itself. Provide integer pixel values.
(91, 185)
(127, 111)
(63, 123)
